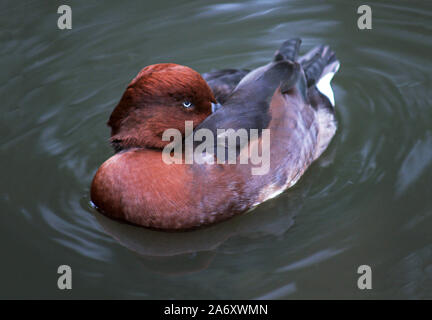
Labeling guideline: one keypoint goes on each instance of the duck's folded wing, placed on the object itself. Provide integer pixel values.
(223, 82)
(248, 107)
(302, 81)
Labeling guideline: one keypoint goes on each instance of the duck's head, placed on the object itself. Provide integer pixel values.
(162, 96)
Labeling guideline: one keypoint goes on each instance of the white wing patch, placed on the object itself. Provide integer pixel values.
(324, 83)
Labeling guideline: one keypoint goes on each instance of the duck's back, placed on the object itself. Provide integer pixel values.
(283, 97)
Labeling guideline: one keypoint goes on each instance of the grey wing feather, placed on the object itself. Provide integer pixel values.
(223, 82)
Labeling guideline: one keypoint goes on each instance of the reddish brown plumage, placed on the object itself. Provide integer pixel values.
(152, 103)
(137, 186)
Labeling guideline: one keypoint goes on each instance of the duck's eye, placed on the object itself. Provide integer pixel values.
(187, 104)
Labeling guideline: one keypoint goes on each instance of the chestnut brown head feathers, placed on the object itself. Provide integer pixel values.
(160, 97)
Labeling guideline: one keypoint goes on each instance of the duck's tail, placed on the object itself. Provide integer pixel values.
(319, 64)
(288, 50)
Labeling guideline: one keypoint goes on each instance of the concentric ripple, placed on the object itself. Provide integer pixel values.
(367, 200)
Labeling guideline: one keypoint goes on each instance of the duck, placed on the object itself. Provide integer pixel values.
(288, 104)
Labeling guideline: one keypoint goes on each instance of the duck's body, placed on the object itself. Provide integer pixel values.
(136, 185)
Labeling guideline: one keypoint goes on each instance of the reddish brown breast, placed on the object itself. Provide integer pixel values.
(137, 186)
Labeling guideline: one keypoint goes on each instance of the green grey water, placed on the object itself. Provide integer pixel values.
(368, 200)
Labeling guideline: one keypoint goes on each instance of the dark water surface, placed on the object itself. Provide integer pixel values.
(368, 200)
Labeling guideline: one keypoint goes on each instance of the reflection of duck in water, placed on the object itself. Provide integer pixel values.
(185, 252)
(291, 97)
